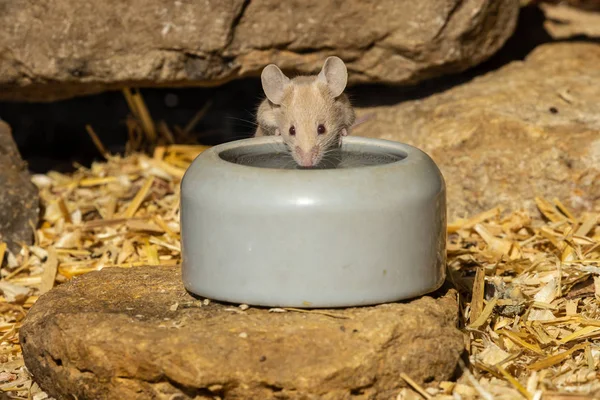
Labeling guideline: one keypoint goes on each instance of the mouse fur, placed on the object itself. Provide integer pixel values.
(311, 113)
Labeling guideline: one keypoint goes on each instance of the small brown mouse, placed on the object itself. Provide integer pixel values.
(311, 113)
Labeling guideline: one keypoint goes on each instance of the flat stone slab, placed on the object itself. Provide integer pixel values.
(137, 334)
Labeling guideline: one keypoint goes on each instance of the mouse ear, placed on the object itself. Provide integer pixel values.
(335, 75)
(274, 83)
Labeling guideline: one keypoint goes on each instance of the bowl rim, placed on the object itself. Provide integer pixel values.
(411, 154)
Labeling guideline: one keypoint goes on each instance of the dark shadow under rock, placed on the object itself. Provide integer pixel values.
(137, 334)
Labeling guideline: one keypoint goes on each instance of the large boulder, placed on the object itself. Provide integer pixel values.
(137, 334)
(530, 129)
(19, 197)
(58, 49)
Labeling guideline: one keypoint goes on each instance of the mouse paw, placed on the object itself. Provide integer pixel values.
(277, 132)
(344, 132)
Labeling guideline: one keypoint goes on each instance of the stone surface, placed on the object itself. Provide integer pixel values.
(136, 334)
(19, 198)
(563, 21)
(590, 5)
(530, 129)
(58, 49)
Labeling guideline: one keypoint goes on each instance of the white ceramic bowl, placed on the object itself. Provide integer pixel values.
(353, 235)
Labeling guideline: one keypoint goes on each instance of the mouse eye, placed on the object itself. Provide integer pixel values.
(321, 129)
(292, 131)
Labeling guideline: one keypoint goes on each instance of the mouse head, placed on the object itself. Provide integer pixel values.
(311, 115)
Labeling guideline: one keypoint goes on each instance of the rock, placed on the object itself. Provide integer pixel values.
(137, 334)
(591, 5)
(530, 129)
(66, 48)
(563, 22)
(19, 198)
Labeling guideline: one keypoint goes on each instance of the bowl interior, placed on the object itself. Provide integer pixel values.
(275, 155)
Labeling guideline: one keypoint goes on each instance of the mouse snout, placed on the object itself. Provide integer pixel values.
(307, 158)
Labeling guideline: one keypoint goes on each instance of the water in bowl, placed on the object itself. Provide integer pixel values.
(278, 158)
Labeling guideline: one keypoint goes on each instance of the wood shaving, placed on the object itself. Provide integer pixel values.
(532, 328)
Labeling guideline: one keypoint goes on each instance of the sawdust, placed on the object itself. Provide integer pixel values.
(529, 285)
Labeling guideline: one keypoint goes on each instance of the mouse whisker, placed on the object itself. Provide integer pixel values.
(332, 156)
(290, 164)
(248, 121)
(327, 163)
(237, 136)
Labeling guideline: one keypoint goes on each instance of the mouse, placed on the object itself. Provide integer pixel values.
(311, 113)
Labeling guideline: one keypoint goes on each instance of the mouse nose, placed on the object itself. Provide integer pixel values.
(306, 158)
